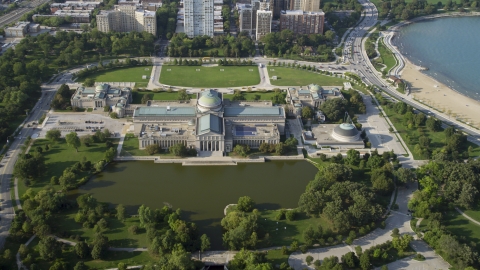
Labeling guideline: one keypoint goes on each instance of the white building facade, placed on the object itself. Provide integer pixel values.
(199, 17)
(264, 23)
(127, 18)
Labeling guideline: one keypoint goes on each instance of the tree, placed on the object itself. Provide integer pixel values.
(49, 248)
(86, 140)
(405, 175)
(433, 124)
(307, 112)
(53, 135)
(114, 115)
(80, 266)
(182, 95)
(309, 260)
(241, 149)
(365, 261)
(122, 266)
(401, 243)
(110, 154)
(152, 149)
(280, 148)
(89, 82)
(73, 140)
(353, 157)
(120, 212)
(179, 150)
(204, 243)
(350, 260)
(82, 250)
(245, 204)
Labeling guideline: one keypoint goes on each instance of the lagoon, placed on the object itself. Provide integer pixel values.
(202, 192)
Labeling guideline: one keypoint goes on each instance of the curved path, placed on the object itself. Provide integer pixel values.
(467, 217)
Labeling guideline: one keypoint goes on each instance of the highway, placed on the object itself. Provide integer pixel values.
(11, 156)
(25, 7)
(361, 65)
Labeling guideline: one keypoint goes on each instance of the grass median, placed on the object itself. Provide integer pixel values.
(300, 77)
(210, 77)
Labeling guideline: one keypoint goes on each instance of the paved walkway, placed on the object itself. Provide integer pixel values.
(467, 217)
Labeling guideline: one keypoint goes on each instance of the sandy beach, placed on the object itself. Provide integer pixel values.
(439, 96)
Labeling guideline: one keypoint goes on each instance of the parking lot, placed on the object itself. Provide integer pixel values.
(82, 123)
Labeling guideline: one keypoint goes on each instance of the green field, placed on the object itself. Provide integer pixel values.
(61, 156)
(117, 233)
(473, 213)
(300, 77)
(210, 77)
(460, 226)
(253, 95)
(111, 260)
(137, 96)
(386, 57)
(294, 229)
(131, 74)
(437, 139)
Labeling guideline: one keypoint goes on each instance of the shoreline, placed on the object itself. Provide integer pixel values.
(423, 86)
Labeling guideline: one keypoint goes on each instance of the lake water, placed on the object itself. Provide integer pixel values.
(202, 192)
(449, 48)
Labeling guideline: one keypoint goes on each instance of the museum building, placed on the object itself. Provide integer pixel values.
(207, 123)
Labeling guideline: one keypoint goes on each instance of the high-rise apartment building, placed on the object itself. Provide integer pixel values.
(310, 5)
(198, 17)
(264, 23)
(301, 22)
(245, 12)
(126, 18)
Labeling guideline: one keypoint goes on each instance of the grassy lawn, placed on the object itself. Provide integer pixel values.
(130, 148)
(386, 57)
(137, 96)
(461, 226)
(117, 231)
(232, 76)
(131, 74)
(294, 229)
(111, 260)
(61, 156)
(293, 77)
(436, 138)
(473, 213)
(276, 257)
(251, 95)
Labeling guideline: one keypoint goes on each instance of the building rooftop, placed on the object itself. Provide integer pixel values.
(252, 111)
(164, 111)
(210, 123)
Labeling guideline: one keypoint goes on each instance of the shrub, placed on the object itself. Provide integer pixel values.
(290, 215)
(419, 257)
(133, 229)
(309, 260)
(280, 214)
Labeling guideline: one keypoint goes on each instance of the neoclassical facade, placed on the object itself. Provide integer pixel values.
(208, 124)
(102, 95)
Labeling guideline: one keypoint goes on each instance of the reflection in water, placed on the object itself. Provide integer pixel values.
(202, 192)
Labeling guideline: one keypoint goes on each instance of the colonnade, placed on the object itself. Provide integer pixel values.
(210, 145)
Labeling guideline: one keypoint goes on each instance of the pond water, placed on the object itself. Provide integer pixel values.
(202, 192)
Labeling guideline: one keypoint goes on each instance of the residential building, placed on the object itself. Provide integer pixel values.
(20, 29)
(245, 12)
(276, 6)
(310, 5)
(301, 22)
(127, 18)
(74, 16)
(199, 17)
(74, 5)
(294, 4)
(264, 23)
